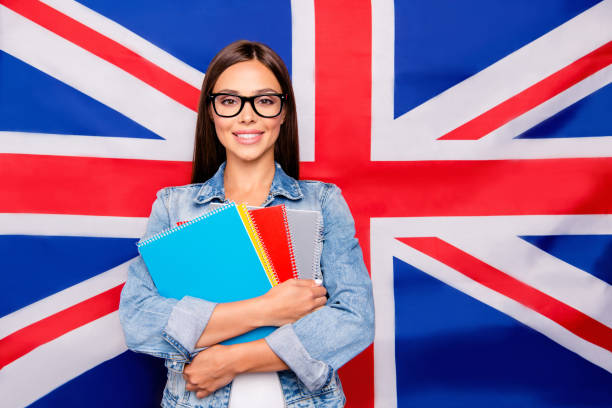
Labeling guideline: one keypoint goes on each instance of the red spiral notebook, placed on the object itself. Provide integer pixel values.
(273, 229)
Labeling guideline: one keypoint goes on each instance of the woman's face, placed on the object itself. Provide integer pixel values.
(247, 137)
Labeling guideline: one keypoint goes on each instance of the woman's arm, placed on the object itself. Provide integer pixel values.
(171, 328)
(282, 304)
(319, 343)
(218, 365)
(323, 341)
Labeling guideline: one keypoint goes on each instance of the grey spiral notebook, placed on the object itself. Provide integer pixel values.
(306, 229)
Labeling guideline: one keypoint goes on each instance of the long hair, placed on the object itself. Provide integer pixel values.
(208, 152)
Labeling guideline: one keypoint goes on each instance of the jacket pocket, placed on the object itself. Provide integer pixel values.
(175, 384)
(330, 396)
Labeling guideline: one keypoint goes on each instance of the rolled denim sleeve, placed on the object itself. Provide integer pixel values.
(153, 324)
(323, 341)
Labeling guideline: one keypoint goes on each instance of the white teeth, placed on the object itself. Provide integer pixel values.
(247, 135)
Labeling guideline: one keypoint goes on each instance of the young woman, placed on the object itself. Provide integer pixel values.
(246, 151)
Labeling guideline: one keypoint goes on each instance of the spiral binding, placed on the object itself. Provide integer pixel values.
(260, 247)
(316, 264)
(184, 225)
(290, 243)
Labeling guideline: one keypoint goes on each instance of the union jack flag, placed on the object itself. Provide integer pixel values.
(473, 143)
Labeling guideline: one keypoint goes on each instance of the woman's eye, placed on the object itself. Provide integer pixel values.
(228, 101)
(265, 101)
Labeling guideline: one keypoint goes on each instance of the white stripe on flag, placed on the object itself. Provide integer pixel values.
(551, 329)
(128, 95)
(413, 135)
(303, 73)
(47, 367)
(381, 266)
(386, 229)
(72, 225)
(68, 225)
(539, 269)
(62, 300)
(385, 247)
(128, 39)
(554, 105)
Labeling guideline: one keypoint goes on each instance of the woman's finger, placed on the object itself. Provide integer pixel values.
(319, 291)
(320, 302)
(202, 394)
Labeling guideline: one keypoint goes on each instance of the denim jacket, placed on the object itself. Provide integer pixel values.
(313, 347)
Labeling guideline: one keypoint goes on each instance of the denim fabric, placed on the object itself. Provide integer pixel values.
(313, 347)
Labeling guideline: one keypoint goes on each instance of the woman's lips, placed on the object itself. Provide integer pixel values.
(248, 137)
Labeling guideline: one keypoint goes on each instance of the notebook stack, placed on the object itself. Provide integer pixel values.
(233, 253)
(305, 229)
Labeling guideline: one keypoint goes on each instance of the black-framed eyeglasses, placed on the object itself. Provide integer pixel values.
(229, 105)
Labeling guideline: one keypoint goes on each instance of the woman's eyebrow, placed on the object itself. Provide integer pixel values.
(229, 91)
(268, 90)
(257, 92)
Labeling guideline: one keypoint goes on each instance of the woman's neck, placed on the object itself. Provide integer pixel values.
(248, 183)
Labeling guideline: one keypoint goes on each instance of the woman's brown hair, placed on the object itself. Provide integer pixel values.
(208, 152)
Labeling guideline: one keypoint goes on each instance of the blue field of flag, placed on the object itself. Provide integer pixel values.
(39, 266)
(438, 44)
(454, 351)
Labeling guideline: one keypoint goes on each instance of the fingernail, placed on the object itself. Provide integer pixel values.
(318, 282)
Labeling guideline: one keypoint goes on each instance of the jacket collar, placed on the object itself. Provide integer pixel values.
(282, 185)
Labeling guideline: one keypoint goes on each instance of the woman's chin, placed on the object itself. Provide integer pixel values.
(251, 157)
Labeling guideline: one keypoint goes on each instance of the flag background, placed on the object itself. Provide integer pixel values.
(485, 126)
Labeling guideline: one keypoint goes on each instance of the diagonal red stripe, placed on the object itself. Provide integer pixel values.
(27, 339)
(107, 49)
(572, 319)
(533, 96)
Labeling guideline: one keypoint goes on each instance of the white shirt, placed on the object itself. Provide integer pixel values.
(256, 390)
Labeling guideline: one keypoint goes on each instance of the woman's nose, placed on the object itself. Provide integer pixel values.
(247, 115)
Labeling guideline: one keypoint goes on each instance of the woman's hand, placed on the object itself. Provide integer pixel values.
(216, 366)
(292, 300)
(210, 370)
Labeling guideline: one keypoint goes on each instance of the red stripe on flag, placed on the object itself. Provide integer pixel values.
(475, 188)
(84, 185)
(533, 96)
(107, 49)
(343, 93)
(21, 342)
(573, 320)
(341, 37)
(125, 187)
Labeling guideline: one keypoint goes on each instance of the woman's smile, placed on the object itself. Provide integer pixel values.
(248, 136)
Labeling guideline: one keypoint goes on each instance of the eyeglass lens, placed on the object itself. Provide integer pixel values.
(264, 105)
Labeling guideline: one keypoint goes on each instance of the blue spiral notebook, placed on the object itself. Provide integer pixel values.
(211, 257)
